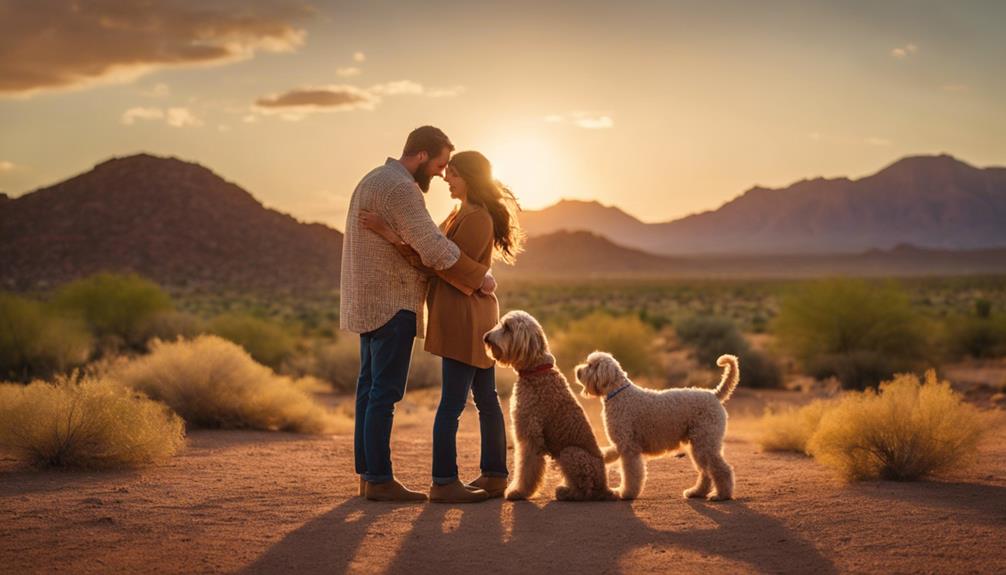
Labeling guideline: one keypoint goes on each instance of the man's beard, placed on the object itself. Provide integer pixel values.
(422, 177)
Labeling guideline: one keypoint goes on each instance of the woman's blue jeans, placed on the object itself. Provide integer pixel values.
(458, 378)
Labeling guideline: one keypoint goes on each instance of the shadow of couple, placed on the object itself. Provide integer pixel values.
(524, 537)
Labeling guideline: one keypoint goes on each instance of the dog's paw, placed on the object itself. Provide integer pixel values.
(717, 497)
(694, 492)
(626, 495)
(563, 493)
(515, 495)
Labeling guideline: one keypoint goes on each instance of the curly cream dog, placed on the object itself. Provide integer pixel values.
(547, 419)
(642, 422)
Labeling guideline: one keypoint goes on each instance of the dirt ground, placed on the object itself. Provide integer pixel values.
(257, 502)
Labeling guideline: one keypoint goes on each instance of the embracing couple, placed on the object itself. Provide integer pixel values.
(395, 259)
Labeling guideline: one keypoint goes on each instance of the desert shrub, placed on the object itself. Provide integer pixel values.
(35, 342)
(265, 341)
(336, 362)
(859, 332)
(92, 423)
(426, 369)
(711, 337)
(174, 324)
(903, 432)
(791, 428)
(626, 337)
(117, 308)
(977, 337)
(214, 383)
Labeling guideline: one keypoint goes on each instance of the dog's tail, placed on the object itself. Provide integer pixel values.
(731, 377)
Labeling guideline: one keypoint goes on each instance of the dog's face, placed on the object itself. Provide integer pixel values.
(517, 340)
(600, 374)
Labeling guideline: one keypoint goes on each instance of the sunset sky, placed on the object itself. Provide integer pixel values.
(663, 108)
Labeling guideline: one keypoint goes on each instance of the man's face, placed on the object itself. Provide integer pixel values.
(432, 167)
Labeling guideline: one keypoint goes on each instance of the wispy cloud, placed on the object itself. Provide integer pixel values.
(348, 72)
(297, 103)
(359, 57)
(177, 117)
(584, 120)
(99, 41)
(159, 90)
(879, 142)
(902, 52)
(7, 166)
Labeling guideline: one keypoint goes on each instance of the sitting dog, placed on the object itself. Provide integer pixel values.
(547, 419)
(642, 422)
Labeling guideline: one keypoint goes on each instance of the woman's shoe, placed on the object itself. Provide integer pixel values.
(456, 493)
(494, 486)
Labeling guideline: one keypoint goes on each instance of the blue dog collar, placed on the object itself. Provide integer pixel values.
(617, 391)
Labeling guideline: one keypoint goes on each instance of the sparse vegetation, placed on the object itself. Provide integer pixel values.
(93, 423)
(118, 309)
(711, 337)
(213, 383)
(267, 342)
(790, 429)
(905, 431)
(627, 338)
(35, 342)
(860, 333)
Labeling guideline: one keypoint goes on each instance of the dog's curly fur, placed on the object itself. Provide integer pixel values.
(643, 422)
(547, 419)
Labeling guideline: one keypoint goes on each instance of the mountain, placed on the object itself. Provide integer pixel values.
(175, 222)
(585, 254)
(927, 201)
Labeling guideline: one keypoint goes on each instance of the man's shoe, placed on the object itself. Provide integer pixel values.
(392, 491)
(494, 486)
(456, 493)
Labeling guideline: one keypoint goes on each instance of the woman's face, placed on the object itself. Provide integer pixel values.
(457, 184)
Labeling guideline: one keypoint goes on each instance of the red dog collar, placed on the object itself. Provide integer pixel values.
(535, 370)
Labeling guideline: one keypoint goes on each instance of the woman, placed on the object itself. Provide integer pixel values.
(484, 226)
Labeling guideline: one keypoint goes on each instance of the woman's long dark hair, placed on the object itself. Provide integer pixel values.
(484, 190)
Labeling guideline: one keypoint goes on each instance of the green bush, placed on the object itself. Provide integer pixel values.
(35, 342)
(857, 331)
(626, 337)
(214, 383)
(711, 337)
(91, 424)
(906, 431)
(267, 342)
(119, 309)
(978, 337)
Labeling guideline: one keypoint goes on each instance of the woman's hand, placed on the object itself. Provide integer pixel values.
(375, 223)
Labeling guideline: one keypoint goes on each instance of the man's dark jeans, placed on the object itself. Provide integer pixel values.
(385, 354)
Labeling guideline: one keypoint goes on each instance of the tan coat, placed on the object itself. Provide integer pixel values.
(458, 321)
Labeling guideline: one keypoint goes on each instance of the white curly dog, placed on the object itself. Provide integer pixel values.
(643, 422)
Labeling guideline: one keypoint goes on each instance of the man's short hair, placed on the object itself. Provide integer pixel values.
(427, 139)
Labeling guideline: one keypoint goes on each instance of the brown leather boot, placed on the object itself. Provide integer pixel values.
(456, 493)
(392, 491)
(494, 486)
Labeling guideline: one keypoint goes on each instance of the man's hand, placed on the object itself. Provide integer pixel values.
(488, 284)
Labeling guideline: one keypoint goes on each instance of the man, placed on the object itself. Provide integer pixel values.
(383, 296)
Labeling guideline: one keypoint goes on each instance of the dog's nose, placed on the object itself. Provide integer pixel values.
(485, 338)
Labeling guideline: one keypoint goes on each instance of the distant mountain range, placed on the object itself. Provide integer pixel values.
(180, 224)
(172, 221)
(927, 201)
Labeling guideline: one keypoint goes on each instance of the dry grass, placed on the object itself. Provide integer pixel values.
(906, 431)
(214, 383)
(91, 424)
(792, 428)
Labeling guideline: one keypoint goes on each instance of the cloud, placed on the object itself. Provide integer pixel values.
(348, 71)
(69, 44)
(7, 166)
(905, 51)
(359, 57)
(879, 142)
(175, 117)
(297, 103)
(582, 120)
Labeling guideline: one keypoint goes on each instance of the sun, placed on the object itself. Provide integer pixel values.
(531, 167)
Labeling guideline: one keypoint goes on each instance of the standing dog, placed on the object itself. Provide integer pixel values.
(643, 422)
(547, 419)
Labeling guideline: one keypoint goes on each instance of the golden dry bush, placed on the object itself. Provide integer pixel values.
(791, 428)
(906, 431)
(214, 383)
(93, 423)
